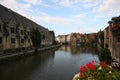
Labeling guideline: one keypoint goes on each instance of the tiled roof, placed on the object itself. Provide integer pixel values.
(6, 14)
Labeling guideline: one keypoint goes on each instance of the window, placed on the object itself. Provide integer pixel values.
(12, 40)
(118, 39)
(28, 40)
(22, 40)
(0, 40)
(28, 33)
(12, 30)
(0, 27)
(21, 32)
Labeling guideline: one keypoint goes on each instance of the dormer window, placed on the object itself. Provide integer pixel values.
(21, 31)
(22, 40)
(0, 40)
(28, 40)
(12, 30)
(12, 40)
(0, 28)
(118, 39)
(28, 33)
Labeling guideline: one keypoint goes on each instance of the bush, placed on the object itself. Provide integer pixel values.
(105, 55)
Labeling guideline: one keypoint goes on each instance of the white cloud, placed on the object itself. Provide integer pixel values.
(88, 0)
(22, 8)
(33, 1)
(91, 3)
(37, 2)
(73, 4)
(83, 29)
(80, 16)
(110, 7)
(57, 20)
(78, 4)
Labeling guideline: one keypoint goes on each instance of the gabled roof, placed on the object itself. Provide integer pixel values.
(6, 14)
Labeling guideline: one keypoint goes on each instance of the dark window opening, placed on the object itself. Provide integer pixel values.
(28, 40)
(0, 27)
(0, 40)
(28, 33)
(12, 30)
(22, 32)
(22, 40)
(118, 39)
(12, 40)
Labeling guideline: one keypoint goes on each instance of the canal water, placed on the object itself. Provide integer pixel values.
(55, 64)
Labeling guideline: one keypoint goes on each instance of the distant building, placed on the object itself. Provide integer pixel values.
(91, 38)
(77, 38)
(63, 39)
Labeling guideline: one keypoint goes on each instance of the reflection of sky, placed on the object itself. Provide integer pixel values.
(85, 58)
(66, 61)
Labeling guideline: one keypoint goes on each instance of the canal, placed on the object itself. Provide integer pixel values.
(55, 64)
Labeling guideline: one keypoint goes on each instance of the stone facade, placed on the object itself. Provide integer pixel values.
(15, 30)
(77, 38)
(113, 41)
(62, 39)
(106, 37)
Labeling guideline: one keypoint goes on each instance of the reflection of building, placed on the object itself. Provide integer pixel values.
(15, 30)
(73, 49)
(112, 38)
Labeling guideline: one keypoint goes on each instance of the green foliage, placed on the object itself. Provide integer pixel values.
(36, 38)
(116, 32)
(101, 35)
(105, 55)
(116, 20)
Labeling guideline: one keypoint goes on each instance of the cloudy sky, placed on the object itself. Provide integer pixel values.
(66, 16)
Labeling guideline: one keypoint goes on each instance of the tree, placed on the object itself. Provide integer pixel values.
(101, 37)
(36, 38)
(105, 55)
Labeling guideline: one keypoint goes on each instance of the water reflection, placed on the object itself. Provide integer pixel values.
(58, 64)
(75, 49)
(28, 68)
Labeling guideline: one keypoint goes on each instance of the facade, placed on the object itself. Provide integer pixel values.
(91, 38)
(73, 39)
(62, 39)
(15, 30)
(112, 38)
(106, 37)
(77, 38)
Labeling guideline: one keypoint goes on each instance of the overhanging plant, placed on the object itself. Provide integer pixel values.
(116, 32)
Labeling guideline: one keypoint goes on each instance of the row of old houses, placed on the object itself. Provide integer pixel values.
(15, 30)
(112, 37)
(77, 38)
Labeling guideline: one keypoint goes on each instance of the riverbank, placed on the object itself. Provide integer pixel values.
(18, 55)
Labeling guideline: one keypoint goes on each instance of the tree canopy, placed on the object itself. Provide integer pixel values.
(36, 37)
